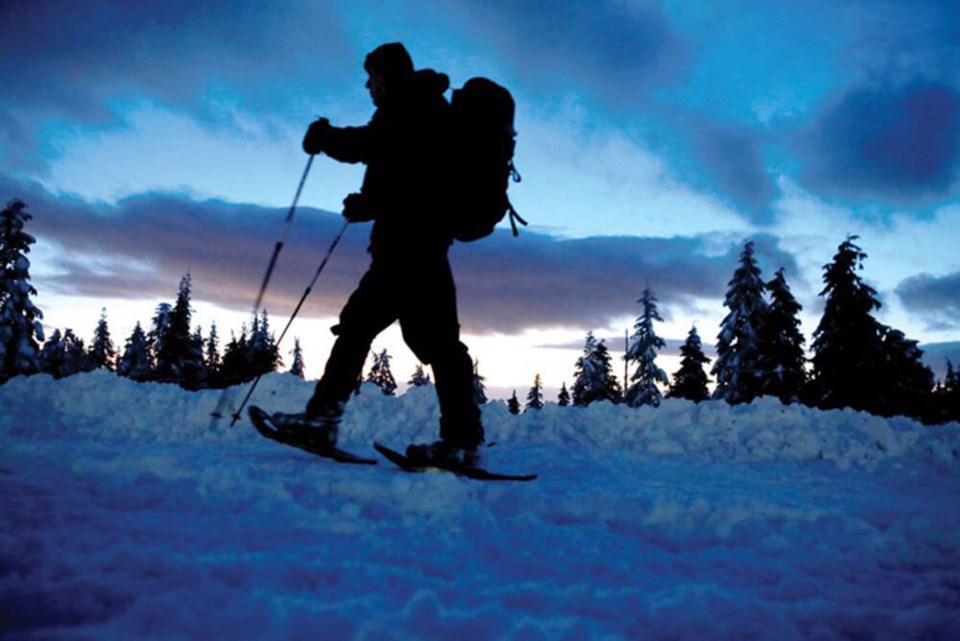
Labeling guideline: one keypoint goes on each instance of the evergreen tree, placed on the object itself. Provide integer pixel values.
(102, 352)
(178, 358)
(380, 374)
(738, 369)
(235, 367)
(690, 381)
(643, 351)
(135, 363)
(594, 375)
(782, 357)
(848, 343)
(420, 378)
(212, 358)
(262, 351)
(52, 354)
(948, 396)
(20, 329)
(297, 368)
(563, 398)
(513, 404)
(535, 395)
(75, 357)
(479, 389)
(907, 384)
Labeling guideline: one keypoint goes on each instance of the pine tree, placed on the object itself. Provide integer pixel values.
(479, 389)
(20, 329)
(297, 368)
(594, 375)
(420, 378)
(643, 351)
(782, 357)
(235, 367)
(262, 351)
(513, 404)
(52, 354)
(563, 398)
(737, 368)
(535, 395)
(102, 352)
(380, 374)
(211, 357)
(75, 357)
(135, 363)
(948, 396)
(848, 343)
(690, 381)
(907, 384)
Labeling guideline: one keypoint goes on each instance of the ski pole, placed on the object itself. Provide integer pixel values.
(287, 224)
(323, 263)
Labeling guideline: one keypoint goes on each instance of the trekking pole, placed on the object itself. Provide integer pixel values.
(287, 224)
(336, 241)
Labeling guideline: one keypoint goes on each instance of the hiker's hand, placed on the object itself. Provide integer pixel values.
(357, 209)
(313, 141)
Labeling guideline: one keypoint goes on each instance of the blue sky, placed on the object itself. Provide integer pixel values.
(153, 138)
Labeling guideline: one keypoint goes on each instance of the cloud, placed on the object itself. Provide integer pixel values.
(141, 246)
(614, 49)
(900, 143)
(934, 298)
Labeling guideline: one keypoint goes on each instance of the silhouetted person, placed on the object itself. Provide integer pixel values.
(409, 277)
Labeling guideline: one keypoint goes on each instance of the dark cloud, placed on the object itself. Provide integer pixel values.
(733, 159)
(140, 247)
(934, 298)
(897, 143)
(615, 49)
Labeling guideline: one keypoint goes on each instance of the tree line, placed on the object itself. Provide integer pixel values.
(855, 361)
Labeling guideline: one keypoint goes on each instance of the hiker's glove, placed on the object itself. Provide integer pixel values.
(357, 208)
(313, 142)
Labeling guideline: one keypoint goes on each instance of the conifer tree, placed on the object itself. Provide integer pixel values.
(563, 398)
(159, 329)
(479, 388)
(175, 358)
(20, 329)
(102, 352)
(690, 381)
(907, 384)
(948, 396)
(513, 404)
(782, 357)
(848, 342)
(420, 378)
(52, 354)
(535, 395)
(75, 357)
(594, 376)
(380, 374)
(211, 357)
(297, 368)
(643, 351)
(135, 362)
(262, 351)
(737, 368)
(235, 367)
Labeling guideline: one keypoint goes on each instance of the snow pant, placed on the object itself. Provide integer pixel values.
(419, 292)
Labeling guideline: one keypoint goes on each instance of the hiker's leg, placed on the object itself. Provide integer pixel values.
(368, 312)
(432, 330)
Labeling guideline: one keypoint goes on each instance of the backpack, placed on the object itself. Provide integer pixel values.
(483, 142)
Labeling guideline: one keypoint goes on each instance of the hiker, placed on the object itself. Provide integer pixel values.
(409, 278)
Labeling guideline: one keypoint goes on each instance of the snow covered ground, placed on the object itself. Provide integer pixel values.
(125, 515)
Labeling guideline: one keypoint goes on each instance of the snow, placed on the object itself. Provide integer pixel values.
(126, 515)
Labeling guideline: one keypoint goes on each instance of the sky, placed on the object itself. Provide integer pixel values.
(153, 139)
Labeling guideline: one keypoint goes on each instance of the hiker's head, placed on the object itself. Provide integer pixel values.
(387, 65)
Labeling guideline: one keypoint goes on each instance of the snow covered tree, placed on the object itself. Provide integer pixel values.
(20, 329)
(159, 328)
(380, 374)
(211, 356)
(690, 381)
(135, 362)
(737, 368)
(595, 380)
(782, 360)
(848, 342)
(235, 367)
(563, 398)
(51, 354)
(262, 351)
(513, 404)
(479, 389)
(535, 395)
(907, 384)
(178, 357)
(420, 378)
(297, 368)
(643, 351)
(102, 352)
(75, 358)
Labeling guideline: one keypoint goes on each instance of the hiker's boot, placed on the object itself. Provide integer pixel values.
(445, 455)
(320, 427)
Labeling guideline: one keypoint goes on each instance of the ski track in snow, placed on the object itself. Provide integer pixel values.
(126, 516)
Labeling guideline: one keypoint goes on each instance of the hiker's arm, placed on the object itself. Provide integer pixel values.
(346, 144)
